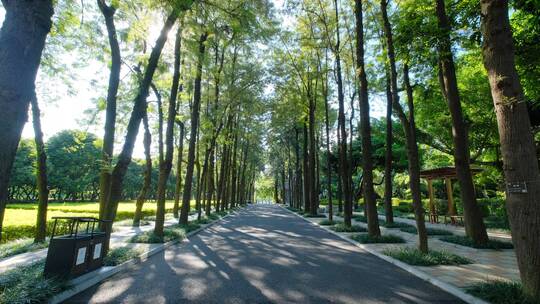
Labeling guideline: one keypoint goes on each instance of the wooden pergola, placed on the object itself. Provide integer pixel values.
(446, 173)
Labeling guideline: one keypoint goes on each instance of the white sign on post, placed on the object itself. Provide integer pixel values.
(81, 256)
(97, 251)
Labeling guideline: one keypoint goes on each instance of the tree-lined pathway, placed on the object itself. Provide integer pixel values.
(265, 255)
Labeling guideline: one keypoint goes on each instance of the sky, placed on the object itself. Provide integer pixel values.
(62, 111)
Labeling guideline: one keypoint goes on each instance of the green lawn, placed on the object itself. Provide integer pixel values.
(20, 219)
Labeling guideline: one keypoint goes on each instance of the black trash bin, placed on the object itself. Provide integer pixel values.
(80, 251)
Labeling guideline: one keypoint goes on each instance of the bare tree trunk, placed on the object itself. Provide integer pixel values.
(298, 185)
(328, 151)
(365, 126)
(307, 172)
(193, 137)
(108, 13)
(41, 175)
(517, 143)
(474, 224)
(166, 165)
(314, 189)
(233, 168)
(139, 110)
(339, 180)
(199, 181)
(409, 128)
(22, 39)
(210, 183)
(179, 170)
(388, 210)
(343, 158)
(147, 141)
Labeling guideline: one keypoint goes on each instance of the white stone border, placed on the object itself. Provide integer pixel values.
(451, 289)
(90, 279)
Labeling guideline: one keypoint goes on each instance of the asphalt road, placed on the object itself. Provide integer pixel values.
(264, 255)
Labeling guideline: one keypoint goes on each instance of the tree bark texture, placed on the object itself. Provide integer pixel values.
(517, 143)
(22, 39)
(41, 175)
(193, 135)
(474, 224)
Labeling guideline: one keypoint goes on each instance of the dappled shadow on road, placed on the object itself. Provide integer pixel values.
(265, 255)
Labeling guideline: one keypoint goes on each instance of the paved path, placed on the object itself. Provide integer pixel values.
(264, 255)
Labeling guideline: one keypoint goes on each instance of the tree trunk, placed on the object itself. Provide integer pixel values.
(179, 170)
(365, 126)
(139, 110)
(41, 175)
(517, 143)
(166, 165)
(314, 193)
(210, 182)
(298, 185)
(474, 224)
(193, 136)
(389, 212)
(199, 181)
(328, 151)
(409, 128)
(22, 39)
(233, 168)
(108, 13)
(340, 184)
(147, 182)
(343, 158)
(307, 172)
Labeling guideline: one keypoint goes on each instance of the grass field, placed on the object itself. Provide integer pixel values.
(20, 219)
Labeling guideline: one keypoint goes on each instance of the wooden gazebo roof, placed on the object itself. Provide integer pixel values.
(443, 172)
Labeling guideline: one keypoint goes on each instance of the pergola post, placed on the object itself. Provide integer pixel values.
(431, 201)
(450, 194)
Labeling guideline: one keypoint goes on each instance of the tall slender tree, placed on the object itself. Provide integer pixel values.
(41, 174)
(22, 39)
(521, 170)
(188, 181)
(409, 127)
(108, 12)
(166, 166)
(365, 126)
(474, 224)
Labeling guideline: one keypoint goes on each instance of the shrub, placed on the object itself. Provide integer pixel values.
(397, 225)
(314, 215)
(129, 223)
(26, 284)
(20, 246)
(430, 231)
(413, 256)
(501, 292)
(367, 239)
(341, 227)
(466, 241)
(405, 207)
(169, 234)
(191, 226)
(360, 218)
(203, 221)
(213, 217)
(120, 255)
(328, 222)
(222, 213)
